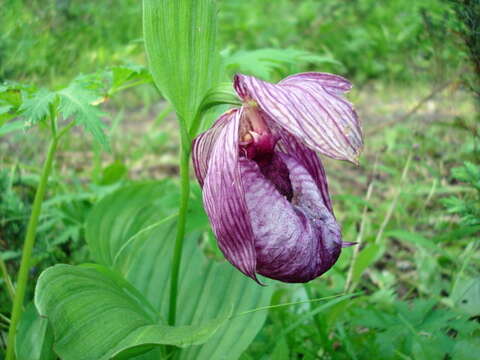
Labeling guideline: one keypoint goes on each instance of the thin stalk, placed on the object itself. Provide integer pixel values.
(393, 204)
(278, 306)
(182, 217)
(177, 251)
(66, 129)
(322, 331)
(127, 86)
(6, 279)
(28, 248)
(359, 240)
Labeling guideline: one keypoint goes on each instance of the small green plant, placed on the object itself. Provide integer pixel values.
(468, 209)
(25, 106)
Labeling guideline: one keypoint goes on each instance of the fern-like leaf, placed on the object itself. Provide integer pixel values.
(36, 106)
(78, 102)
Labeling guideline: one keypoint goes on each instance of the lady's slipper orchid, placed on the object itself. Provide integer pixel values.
(264, 188)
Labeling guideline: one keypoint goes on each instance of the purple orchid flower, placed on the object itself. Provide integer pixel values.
(264, 187)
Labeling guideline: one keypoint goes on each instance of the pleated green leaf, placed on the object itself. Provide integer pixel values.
(180, 43)
(34, 340)
(96, 314)
(206, 289)
(116, 221)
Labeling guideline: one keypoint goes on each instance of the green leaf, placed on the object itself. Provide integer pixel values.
(79, 102)
(206, 289)
(96, 314)
(135, 216)
(467, 349)
(418, 240)
(5, 109)
(118, 219)
(281, 350)
(11, 127)
(366, 257)
(467, 296)
(127, 76)
(180, 42)
(11, 96)
(10, 100)
(222, 94)
(264, 62)
(34, 340)
(35, 107)
(113, 173)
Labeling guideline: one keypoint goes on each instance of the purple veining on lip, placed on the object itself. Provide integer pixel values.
(264, 188)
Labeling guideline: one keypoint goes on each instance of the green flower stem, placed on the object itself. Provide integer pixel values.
(182, 217)
(27, 250)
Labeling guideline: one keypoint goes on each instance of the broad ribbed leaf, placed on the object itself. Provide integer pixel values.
(180, 43)
(96, 314)
(116, 220)
(34, 340)
(206, 288)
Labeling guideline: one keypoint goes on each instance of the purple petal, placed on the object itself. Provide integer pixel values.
(203, 145)
(311, 107)
(329, 81)
(294, 243)
(224, 198)
(308, 159)
(309, 199)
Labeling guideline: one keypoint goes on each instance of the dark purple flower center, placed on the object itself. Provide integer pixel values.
(257, 143)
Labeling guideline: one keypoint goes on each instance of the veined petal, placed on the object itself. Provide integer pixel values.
(311, 107)
(331, 82)
(224, 199)
(283, 242)
(308, 159)
(309, 200)
(293, 243)
(203, 145)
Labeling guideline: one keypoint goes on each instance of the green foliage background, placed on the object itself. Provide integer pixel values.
(391, 40)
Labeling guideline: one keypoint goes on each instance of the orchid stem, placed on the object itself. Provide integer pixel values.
(28, 248)
(182, 217)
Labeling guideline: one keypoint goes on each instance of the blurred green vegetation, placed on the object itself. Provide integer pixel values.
(400, 41)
